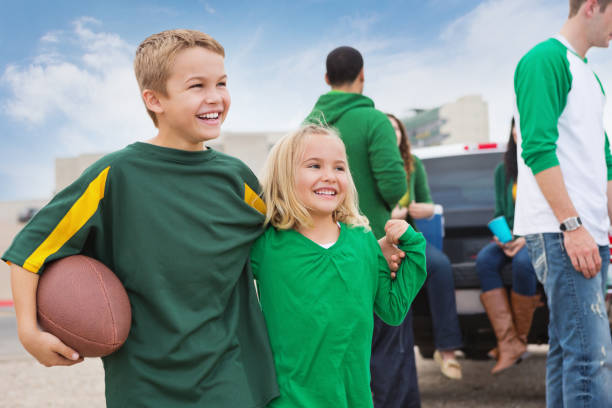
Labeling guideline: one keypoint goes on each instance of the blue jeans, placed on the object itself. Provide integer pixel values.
(579, 363)
(490, 261)
(440, 286)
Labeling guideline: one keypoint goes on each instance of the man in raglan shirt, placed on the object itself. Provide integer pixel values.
(564, 201)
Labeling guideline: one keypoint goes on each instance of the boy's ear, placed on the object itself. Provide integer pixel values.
(327, 80)
(361, 76)
(151, 101)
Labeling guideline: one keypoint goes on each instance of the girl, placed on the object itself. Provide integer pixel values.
(511, 323)
(321, 274)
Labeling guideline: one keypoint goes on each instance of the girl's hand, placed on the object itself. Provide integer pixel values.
(499, 243)
(512, 247)
(421, 210)
(394, 230)
(399, 213)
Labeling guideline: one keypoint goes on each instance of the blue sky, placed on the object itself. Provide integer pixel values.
(67, 87)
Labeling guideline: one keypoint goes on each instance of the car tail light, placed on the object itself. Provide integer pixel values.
(481, 146)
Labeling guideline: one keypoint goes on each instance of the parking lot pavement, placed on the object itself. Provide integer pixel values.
(26, 384)
(522, 385)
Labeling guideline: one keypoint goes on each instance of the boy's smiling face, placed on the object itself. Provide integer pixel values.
(196, 100)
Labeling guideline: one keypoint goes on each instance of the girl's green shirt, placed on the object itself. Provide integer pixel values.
(318, 305)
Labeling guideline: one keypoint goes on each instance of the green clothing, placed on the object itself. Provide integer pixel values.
(375, 162)
(418, 187)
(504, 202)
(543, 80)
(176, 228)
(318, 306)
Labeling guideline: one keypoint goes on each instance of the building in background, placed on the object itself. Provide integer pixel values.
(250, 147)
(463, 121)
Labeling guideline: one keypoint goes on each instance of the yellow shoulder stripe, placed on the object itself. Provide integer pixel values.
(252, 199)
(80, 212)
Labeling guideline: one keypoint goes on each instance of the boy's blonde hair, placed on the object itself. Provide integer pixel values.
(155, 57)
(284, 209)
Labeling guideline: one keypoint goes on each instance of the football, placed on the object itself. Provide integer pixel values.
(82, 302)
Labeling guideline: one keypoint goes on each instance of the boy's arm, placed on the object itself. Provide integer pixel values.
(394, 297)
(43, 346)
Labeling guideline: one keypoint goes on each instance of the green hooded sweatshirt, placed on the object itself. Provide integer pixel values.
(374, 159)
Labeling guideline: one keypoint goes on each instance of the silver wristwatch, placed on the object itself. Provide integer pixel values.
(570, 224)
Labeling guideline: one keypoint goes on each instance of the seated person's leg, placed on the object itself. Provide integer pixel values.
(494, 298)
(489, 263)
(440, 286)
(524, 279)
(524, 298)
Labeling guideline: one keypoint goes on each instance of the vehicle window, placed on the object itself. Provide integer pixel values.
(463, 182)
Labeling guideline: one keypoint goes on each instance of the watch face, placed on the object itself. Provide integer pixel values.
(570, 224)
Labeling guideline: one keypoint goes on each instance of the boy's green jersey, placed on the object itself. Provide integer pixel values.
(318, 305)
(176, 227)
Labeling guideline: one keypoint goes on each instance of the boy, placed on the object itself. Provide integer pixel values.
(175, 221)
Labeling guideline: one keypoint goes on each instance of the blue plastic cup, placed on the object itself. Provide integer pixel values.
(499, 228)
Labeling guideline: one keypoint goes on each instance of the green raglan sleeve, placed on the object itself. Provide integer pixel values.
(394, 296)
(421, 185)
(608, 158)
(386, 162)
(542, 81)
(500, 190)
(63, 226)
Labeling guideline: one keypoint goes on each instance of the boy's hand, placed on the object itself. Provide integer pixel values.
(392, 254)
(48, 349)
(395, 229)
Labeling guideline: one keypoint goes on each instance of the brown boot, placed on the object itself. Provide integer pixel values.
(510, 348)
(522, 310)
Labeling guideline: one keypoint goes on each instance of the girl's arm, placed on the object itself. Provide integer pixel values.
(394, 297)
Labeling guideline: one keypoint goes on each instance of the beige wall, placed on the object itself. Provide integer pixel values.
(9, 227)
(250, 147)
(467, 120)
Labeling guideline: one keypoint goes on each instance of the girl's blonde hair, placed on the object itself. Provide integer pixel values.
(284, 209)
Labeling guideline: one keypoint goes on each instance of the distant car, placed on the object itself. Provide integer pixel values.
(461, 179)
(26, 214)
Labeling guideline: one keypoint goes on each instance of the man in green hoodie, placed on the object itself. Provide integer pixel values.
(380, 179)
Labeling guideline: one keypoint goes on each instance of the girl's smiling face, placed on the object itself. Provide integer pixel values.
(321, 175)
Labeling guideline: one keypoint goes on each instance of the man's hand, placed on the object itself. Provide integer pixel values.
(421, 210)
(48, 349)
(583, 251)
(511, 248)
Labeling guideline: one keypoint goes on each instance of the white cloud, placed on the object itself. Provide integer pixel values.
(81, 94)
(87, 101)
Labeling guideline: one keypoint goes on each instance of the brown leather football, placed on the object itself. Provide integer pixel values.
(84, 304)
